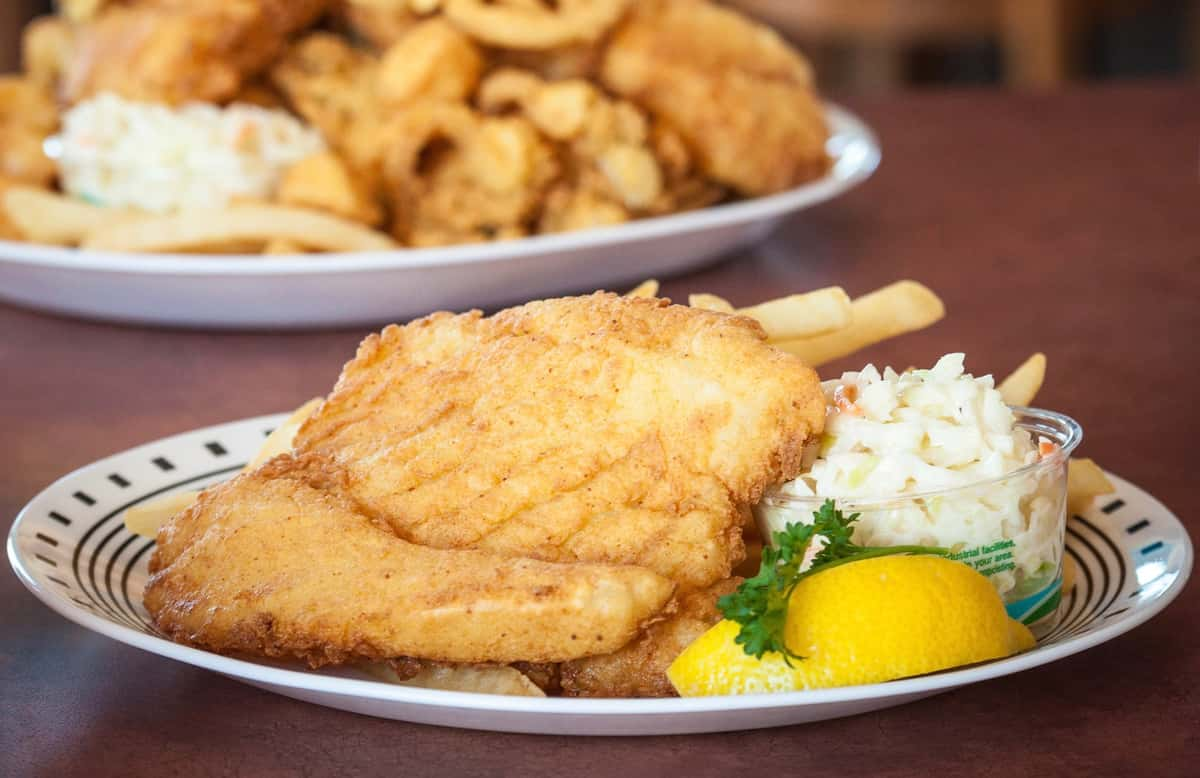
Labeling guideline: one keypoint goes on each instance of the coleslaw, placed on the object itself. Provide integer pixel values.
(935, 457)
(119, 153)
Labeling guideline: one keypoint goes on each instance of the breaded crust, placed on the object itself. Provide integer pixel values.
(276, 563)
(586, 429)
(530, 487)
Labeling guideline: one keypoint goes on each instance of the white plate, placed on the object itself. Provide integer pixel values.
(225, 291)
(72, 551)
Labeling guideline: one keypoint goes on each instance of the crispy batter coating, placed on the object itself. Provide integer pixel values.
(173, 51)
(324, 182)
(45, 49)
(8, 230)
(27, 116)
(278, 563)
(330, 84)
(534, 24)
(433, 60)
(588, 429)
(640, 668)
(579, 60)
(455, 176)
(685, 186)
(611, 172)
(376, 23)
(740, 96)
(531, 487)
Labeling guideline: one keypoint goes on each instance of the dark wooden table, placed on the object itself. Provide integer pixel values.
(1067, 223)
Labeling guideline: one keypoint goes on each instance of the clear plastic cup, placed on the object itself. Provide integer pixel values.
(1011, 528)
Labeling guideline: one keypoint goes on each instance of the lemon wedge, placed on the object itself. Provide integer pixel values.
(863, 622)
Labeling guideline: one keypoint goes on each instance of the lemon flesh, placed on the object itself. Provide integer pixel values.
(863, 622)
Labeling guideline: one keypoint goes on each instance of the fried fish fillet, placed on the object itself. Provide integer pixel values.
(532, 487)
(639, 669)
(277, 563)
(174, 51)
(588, 429)
(742, 98)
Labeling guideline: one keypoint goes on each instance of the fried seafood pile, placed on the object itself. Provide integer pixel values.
(562, 487)
(453, 121)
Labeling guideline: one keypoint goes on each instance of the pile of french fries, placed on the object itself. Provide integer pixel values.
(251, 228)
(818, 326)
(826, 324)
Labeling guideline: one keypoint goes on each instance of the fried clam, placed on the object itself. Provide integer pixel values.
(380, 23)
(577, 60)
(27, 116)
(611, 172)
(325, 182)
(433, 61)
(456, 176)
(738, 94)
(685, 187)
(8, 230)
(45, 49)
(330, 84)
(360, 102)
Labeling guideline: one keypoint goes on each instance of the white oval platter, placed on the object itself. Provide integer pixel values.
(70, 548)
(325, 290)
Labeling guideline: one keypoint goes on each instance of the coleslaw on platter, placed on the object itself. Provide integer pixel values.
(124, 154)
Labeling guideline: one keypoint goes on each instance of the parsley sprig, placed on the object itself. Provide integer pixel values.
(760, 604)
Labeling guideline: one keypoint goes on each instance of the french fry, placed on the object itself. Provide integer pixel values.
(282, 246)
(1085, 482)
(1068, 573)
(710, 302)
(281, 438)
(182, 231)
(1022, 384)
(46, 217)
(145, 518)
(647, 288)
(904, 306)
(803, 315)
(324, 182)
(462, 678)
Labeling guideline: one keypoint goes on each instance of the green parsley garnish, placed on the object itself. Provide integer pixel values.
(760, 604)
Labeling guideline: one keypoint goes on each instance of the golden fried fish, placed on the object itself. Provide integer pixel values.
(583, 429)
(174, 51)
(278, 563)
(534, 486)
(740, 96)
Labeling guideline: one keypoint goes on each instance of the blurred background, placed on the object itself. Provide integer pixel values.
(877, 45)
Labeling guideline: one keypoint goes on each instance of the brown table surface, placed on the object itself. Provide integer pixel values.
(1067, 223)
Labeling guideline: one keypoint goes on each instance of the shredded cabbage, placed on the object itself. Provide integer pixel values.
(119, 153)
(892, 434)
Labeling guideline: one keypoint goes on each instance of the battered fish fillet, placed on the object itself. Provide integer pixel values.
(587, 429)
(174, 51)
(741, 97)
(277, 563)
(528, 487)
(640, 668)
